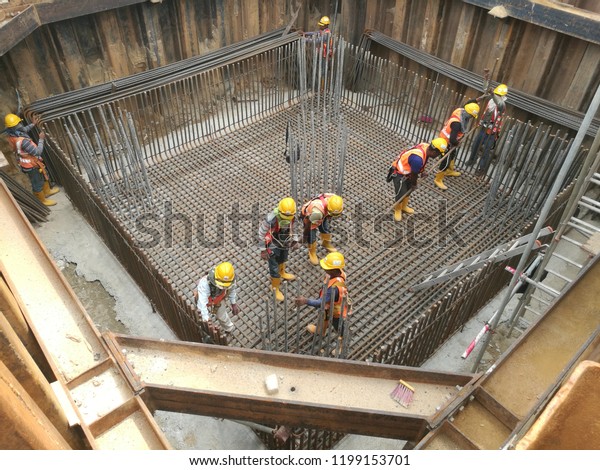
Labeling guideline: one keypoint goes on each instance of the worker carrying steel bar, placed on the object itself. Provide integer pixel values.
(453, 131)
(490, 127)
(406, 169)
(212, 290)
(29, 156)
(336, 291)
(276, 238)
(316, 215)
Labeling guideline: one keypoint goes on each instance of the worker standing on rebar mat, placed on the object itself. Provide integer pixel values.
(405, 171)
(276, 238)
(453, 131)
(324, 40)
(212, 290)
(29, 156)
(490, 126)
(316, 216)
(336, 291)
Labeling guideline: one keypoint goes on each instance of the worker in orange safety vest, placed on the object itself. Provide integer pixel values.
(453, 131)
(316, 216)
(29, 156)
(405, 170)
(334, 297)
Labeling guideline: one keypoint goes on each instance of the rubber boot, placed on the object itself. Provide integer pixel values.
(43, 200)
(398, 211)
(439, 180)
(405, 208)
(283, 275)
(326, 242)
(312, 328)
(451, 171)
(48, 191)
(312, 254)
(275, 283)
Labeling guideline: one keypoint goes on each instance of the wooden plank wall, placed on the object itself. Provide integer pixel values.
(93, 49)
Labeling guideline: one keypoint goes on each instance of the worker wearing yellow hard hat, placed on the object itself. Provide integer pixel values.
(276, 238)
(316, 216)
(29, 155)
(335, 297)
(406, 169)
(453, 131)
(210, 293)
(489, 130)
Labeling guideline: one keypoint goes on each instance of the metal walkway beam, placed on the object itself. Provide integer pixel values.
(332, 394)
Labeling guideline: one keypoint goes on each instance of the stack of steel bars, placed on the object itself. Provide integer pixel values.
(548, 111)
(33, 209)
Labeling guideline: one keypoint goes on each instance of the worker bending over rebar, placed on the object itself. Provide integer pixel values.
(453, 131)
(316, 215)
(212, 290)
(405, 171)
(334, 298)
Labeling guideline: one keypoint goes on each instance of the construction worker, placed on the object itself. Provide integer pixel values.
(29, 156)
(405, 171)
(453, 131)
(211, 291)
(490, 126)
(336, 292)
(316, 215)
(323, 40)
(276, 238)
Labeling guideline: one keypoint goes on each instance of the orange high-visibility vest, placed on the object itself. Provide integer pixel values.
(26, 161)
(401, 164)
(446, 131)
(340, 283)
(319, 203)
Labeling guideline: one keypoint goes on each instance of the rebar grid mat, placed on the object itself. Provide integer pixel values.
(211, 198)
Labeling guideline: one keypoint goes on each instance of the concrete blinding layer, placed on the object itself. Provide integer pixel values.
(176, 179)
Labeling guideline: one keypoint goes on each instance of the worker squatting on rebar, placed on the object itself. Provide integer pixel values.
(336, 291)
(276, 238)
(453, 131)
(490, 126)
(316, 215)
(211, 291)
(29, 156)
(405, 170)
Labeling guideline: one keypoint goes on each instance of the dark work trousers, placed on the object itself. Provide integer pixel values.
(401, 186)
(310, 235)
(278, 256)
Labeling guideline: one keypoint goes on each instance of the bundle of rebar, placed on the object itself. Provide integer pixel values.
(546, 110)
(33, 209)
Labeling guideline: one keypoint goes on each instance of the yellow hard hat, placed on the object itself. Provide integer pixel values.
(324, 21)
(224, 274)
(287, 208)
(472, 109)
(333, 260)
(440, 144)
(335, 205)
(11, 120)
(501, 90)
